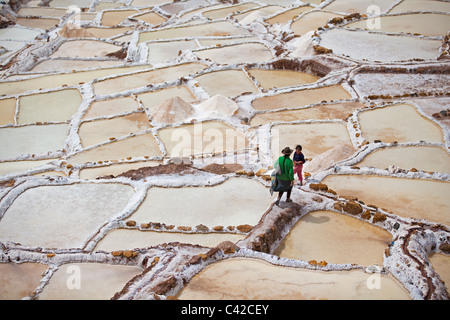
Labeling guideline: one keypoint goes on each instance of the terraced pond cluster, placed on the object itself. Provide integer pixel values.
(138, 138)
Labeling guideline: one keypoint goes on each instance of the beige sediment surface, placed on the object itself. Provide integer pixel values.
(404, 197)
(218, 281)
(301, 98)
(336, 239)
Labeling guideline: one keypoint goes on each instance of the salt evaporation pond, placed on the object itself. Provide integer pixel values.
(351, 6)
(115, 169)
(111, 107)
(404, 197)
(316, 137)
(301, 98)
(230, 83)
(140, 79)
(219, 280)
(19, 279)
(281, 78)
(10, 167)
(240, 53)
(208, 137)
(32, 139)
(318, 112)
(141, 145)
(91, 286)
(56, 106)
(431, 159)
(419, 5)
(360, 45)
(138, 138)
(335, 239)
(84, 49)
(63, 79)
(163, 205)
(411, 23)
(115, 127)
(61, 216)
(401, 123)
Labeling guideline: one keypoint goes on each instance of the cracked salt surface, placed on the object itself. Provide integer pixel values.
(148, 173)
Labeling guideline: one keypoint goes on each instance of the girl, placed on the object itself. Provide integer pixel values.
(299, 160)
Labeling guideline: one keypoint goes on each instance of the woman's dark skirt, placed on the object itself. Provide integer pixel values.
(283, 185)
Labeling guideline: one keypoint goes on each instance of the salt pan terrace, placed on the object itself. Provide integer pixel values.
(138, 139)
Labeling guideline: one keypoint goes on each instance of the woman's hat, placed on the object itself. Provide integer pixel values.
(286, 150)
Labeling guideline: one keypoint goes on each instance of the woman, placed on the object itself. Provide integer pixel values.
(285, 179)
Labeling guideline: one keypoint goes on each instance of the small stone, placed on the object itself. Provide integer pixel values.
(366, 215)
(378, 217)
(156, 225)
(445, 247)
(352, 208)
(131, 223)
(338, 206)
(318, 186)
(195, 259)
(244, 228)
(323, 263)
(227, 247)
(202, 228)
(129, 254)
(155, 261)
(260, 172)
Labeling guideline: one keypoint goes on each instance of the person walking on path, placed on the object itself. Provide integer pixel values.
(299, 160)
(285, 177)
